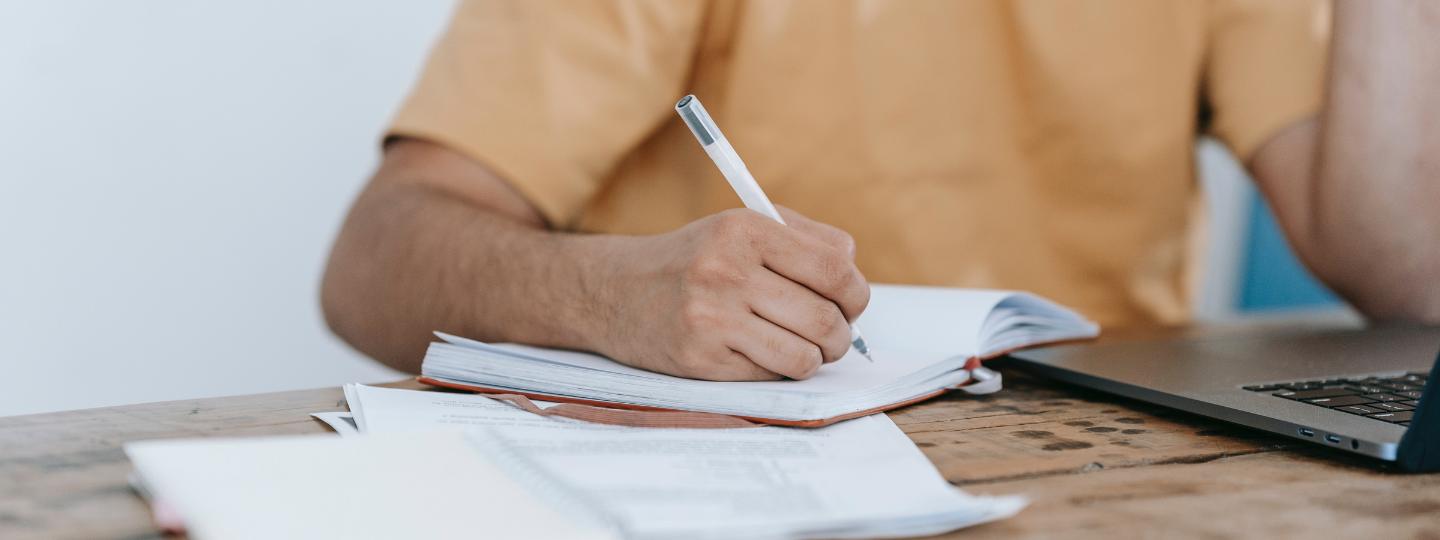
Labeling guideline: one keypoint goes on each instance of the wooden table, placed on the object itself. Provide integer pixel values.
(1094, 465)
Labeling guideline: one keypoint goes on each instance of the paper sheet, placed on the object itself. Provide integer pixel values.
(838, 481)
(389, 410)
(342, 422)
(375, 486)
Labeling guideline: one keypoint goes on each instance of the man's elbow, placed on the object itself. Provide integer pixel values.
(333, 306)
(346, 303)
(1421, 305)
(1381, 293)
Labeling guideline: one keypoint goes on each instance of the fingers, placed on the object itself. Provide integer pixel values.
(775, 349)
(758, 299)
(734, 366)
(819, 266)
(830, 234)
(804, 313)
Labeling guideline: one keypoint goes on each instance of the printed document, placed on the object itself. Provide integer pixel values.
(858, 478)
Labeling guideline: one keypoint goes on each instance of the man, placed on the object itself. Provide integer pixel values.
(537, 188)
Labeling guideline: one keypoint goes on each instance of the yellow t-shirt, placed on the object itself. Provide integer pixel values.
(1042, 145)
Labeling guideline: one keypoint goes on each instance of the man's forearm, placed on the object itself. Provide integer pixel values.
(438, 241)
(413, 259)
(1364, 181)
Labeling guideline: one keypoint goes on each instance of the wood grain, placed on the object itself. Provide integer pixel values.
(1095, 466)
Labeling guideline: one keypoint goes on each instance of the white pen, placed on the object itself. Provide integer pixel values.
(724, 156)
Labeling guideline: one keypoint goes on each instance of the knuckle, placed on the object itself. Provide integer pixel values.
(862, 298)
(835, 345)
(734, 223)
(845, 242)
(716, 270)
(708, 267)
(796, 357)
(835, 272)
(806, 361)
(747, 370)
(692, 361)
(825, 317)
(695, 316)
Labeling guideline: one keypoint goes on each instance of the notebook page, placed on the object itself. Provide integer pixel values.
(1023, 319)
(935, 320)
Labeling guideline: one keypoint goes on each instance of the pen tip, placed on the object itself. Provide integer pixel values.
(864, 349)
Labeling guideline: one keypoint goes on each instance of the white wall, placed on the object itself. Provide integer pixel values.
(1227, 189)
(171, 176)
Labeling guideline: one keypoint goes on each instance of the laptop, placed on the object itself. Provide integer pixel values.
(1359, 391)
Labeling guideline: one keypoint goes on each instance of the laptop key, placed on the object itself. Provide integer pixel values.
(1412, 394)
(1384, 397)
(1319, 393)
(1338, 401)
(1393, 417)
(1398, 387)
(1392, 406)
(1412, 403)
(1368, 389)
(1361, 410)
(1262, 387)
(1406, 379)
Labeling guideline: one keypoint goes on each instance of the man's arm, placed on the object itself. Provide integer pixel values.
(438, 242)
(1357, 189)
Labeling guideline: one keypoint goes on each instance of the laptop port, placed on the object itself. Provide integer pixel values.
(1335, 439)
(1307, 432)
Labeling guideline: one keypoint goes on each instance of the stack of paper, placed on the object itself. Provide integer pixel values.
(860, 478)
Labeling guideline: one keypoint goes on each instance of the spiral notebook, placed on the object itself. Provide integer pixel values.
(924, 340)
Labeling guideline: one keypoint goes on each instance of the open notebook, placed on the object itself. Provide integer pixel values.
(925, 340)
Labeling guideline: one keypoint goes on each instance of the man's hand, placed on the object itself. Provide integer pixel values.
(734, 296)
(437, 241)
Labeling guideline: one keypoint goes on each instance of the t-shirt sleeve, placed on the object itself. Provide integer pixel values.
(552, 94)
(1265, 68)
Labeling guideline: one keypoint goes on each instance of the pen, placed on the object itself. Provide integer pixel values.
(724, 156)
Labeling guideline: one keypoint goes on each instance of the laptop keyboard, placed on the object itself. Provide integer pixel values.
(1387, 399)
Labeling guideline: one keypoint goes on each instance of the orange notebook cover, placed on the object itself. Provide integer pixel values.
(758, 420)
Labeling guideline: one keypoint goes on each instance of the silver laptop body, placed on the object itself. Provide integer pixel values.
(1209, 377)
